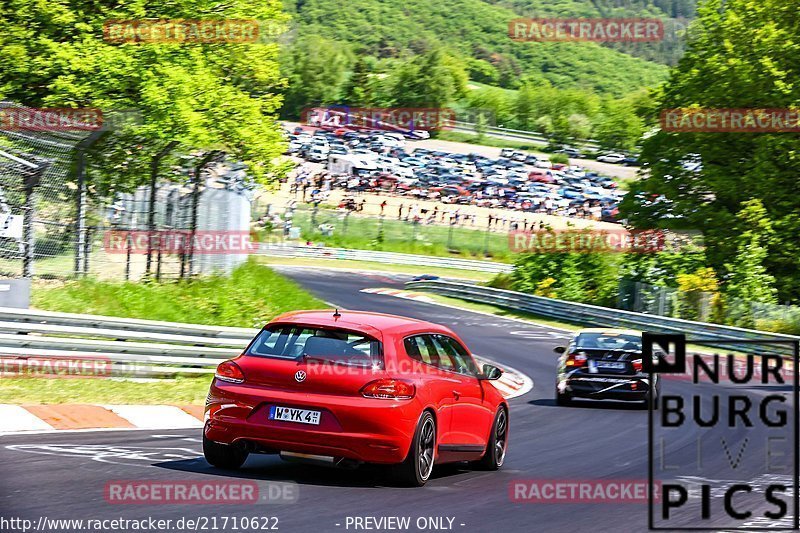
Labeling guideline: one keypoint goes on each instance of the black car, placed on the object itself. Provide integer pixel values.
(603, 364)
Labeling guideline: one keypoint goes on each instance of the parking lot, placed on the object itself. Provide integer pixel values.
(464, 176)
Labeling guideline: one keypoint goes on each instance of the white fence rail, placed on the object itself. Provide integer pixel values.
(393, 258)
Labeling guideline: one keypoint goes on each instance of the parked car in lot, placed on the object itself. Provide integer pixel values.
(612, 158)
(354, 387)
(570, 152)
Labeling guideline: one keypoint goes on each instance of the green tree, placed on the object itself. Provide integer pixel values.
(316, 68)
(748, 280)
(360, 89)
(434, 79)
(742, 54)
(52, 54)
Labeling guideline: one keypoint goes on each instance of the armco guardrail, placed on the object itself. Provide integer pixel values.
(394, 258)
(131, 347)
(593, 315)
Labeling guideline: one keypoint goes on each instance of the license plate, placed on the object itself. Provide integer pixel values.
(611, 365)
(290, 414)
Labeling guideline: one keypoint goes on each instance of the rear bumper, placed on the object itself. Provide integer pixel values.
(368, 430)
(610, 387)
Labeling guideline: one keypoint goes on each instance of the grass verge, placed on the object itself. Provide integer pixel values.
(487, 140)
(252, 295)
(40, 391)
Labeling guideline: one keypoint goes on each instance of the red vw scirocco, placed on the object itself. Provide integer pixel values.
(355, 387)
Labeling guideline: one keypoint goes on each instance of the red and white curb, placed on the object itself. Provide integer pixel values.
(512, 383)
(16, 419)
(398, 293)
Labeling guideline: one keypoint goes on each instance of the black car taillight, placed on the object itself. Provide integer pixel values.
(576, 360)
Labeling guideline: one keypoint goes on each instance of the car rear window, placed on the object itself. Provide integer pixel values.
(609, 341)
(307, 342)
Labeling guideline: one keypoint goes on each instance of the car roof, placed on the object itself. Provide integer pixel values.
(361, 321)
(612, 331)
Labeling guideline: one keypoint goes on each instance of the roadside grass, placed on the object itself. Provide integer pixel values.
(452, 273)
(488, 140)
(40, 391)
(392, 235)
(250, 297)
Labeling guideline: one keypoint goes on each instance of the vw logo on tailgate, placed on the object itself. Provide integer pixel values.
(300, 376)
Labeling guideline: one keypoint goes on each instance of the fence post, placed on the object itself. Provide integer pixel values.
(128, 245)
(80, 211)
(29, 235)
(450, 233)
(151, 215)
(209, 157)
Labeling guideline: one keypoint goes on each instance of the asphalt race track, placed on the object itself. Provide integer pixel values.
(64, 475)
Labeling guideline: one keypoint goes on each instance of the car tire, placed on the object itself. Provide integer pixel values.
(227, 456)
(497, 446)
(418, 465)
(563, 399)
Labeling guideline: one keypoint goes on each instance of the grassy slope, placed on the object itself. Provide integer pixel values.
(181, 391)
(473, 28)
(251, 296)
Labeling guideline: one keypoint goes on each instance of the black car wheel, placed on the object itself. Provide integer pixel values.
(227, 456)
(498, 443)
(418, 465)
(563, 399)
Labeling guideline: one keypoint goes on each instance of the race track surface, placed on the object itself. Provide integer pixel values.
(65, 475)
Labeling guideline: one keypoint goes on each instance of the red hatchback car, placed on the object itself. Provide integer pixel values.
(354, 387)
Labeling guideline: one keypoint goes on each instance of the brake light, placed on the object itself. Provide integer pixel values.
(576, 360)
(637, 365)
(388, 389)
(230, 372)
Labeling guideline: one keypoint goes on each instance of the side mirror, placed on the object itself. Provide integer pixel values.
(560, 349)
(491, 372)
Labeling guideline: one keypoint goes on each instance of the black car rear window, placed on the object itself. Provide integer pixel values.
(609, 341)
(307, 342)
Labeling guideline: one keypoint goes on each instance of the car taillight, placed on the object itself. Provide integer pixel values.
(389, 389)
(576, 360)
(637, 365)
(230, 372)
